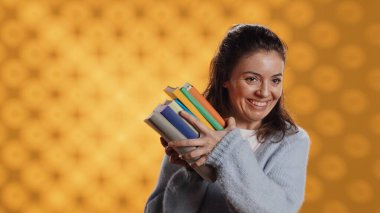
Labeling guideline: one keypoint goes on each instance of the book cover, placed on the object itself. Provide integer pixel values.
(176, 108)
(203, 101)
(183, 106)
(163, 126)
(155, 128)
(200, 108)
(176, 93)
(177, 121)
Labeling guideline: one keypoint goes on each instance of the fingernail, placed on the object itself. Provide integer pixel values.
(171, 144)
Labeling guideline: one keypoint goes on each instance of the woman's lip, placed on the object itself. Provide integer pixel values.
(259, 104)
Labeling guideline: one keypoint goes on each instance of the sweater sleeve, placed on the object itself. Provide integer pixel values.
(177, 190)
(154, 203)
(279, 187)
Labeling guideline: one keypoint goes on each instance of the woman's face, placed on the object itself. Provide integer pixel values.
(255, 87)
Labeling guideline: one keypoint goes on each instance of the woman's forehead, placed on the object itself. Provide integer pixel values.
(266, 63)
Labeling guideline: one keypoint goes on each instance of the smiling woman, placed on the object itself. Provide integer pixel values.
(255, 87)
(260, 157)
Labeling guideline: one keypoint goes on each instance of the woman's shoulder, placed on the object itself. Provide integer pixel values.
(298, 136)
(295, 135)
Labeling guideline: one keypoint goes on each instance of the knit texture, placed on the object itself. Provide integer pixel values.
(271, 179)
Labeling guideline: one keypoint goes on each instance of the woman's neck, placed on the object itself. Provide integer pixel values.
(247, 125)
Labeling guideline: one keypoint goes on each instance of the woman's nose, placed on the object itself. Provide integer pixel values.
(263, 90)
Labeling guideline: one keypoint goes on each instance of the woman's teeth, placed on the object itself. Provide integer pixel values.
(258, 103)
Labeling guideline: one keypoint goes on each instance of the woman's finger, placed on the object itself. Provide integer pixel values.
(170, 151)
(231, 123)
(201, 161)
(198, 152)
(176, 160)
(186, 143)
(197, 124)
(163, 142)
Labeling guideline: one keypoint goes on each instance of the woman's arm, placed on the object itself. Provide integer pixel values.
(154, 203)
(279, 187)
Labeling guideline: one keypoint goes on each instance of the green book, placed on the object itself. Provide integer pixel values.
(200, 108)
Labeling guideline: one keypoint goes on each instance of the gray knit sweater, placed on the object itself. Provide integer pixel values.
(271, 179)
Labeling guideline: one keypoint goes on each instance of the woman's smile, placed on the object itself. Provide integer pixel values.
(255, 87)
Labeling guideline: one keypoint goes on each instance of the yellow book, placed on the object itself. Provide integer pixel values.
(176, 93)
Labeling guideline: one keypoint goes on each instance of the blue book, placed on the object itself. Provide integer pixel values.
(183, 106)
(177, 122)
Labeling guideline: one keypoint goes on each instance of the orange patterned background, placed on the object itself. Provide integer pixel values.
(77, 79)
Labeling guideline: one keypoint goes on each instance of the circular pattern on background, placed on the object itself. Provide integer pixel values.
(282, 30)
(304, 51)
(302, 99)
(327, 78)
(334, 206)
(316, 144)
(376, 168)
(372, 33)
(329, 122)
(13, 73)
(12, 32)
(360, 191)
(357, 145)
(374, 79)
(13, 196)
(13, 114)
(354, 101)
(352, 56)
(324, 34)
(73, 95)
(332, 167)
(3, 133)
(13, 155)
(3, 175)
(32, 13)
(374, 124)
(2, 53)
(299, 13)
(349, 12)
(314, 189)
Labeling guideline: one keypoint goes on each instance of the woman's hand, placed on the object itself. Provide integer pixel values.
(205, 143)
(173, 155)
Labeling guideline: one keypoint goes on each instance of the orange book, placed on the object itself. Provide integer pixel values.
(210, 109)
(176, 93)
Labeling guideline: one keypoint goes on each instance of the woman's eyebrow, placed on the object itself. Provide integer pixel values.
(252, 72)
(279, 74)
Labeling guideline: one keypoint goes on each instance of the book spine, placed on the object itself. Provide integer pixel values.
(153, 126)
(201, 109)
(178, 94)
(203, 101)
(169, 130)
(177, 109)
(183, 106)
(178, 123)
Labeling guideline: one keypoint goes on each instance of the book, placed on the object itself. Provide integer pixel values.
(162, 126)
(200, 108)
(183, 106)
(177, 121)
(176, 93)
(203, 101)
(177, 109)
(155, 128)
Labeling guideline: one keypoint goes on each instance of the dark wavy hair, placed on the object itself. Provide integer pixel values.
(242, 40)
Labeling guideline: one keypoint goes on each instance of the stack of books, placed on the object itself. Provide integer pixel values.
(167, 122)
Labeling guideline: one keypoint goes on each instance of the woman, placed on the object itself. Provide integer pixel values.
(260, 158)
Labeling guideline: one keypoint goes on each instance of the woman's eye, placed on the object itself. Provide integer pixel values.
(251, 79)
(277, 81)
